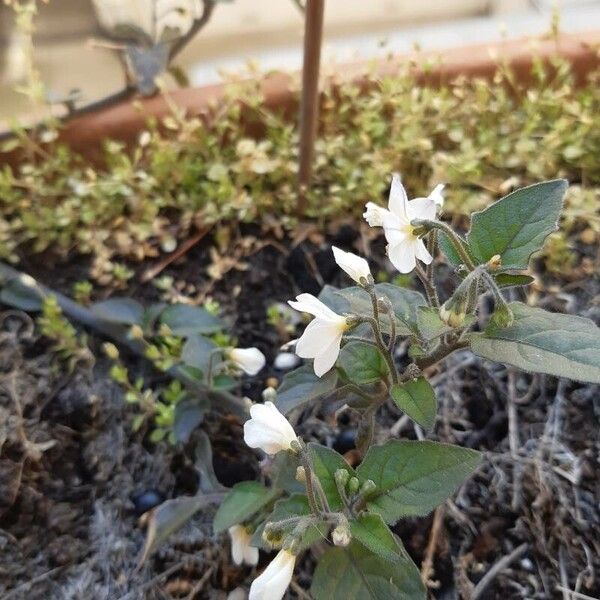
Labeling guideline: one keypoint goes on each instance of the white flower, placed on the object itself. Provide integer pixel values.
(404, 247)
(322, 338)
(250, 360)
(272, 583)
(268, 429)
(355, 266)
(241, 550)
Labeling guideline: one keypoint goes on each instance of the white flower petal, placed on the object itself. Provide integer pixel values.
(422, 253)
(268, 429)
(309, 304)
(273, 582)
(403, 255)
(355, 266)
(327, 357)
(250, 360)
(375, 215)
(241, 550)
(421, 208)
(316, 335)
(437, 196)
(398, 198)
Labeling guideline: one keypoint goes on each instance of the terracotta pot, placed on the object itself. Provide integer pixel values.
(124, 120)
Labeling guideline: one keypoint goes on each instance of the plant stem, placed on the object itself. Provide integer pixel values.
(430, 290)
(454, 238)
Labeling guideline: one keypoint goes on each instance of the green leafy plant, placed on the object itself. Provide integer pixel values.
(314, 495)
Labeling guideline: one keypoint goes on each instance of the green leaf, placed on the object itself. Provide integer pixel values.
(512, 279)
(196, 352)
(372, 532)
(355, 300)
(429, 324)
(168, 518)
(119, 310)
(544, 342)
(243, 501)
(448, 249)
(325, 463)
(189, 413)
(185, 320)
(362, 363)
(412, 477)
(151, 315)
(203, 461)
(301, 386)
(19, 294)
(517, 225)
(355, 573)
(417, 399)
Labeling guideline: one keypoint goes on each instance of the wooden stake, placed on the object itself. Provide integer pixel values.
(309, 107)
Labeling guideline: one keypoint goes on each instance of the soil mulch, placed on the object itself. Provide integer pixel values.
(75, 480)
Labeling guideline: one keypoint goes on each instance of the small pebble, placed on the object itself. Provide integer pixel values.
(285, 361)
(146, 500)
(527, 564)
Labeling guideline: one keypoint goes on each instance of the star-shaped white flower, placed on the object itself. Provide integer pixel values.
(322, 338)
(404, 247)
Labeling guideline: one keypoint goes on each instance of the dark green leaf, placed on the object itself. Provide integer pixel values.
(189, 413)
(362, 363)
(417, 399)
(151, 315)
(184, 320)
(512, 279)
(196, 352)
(355, 573)
(372, 532)
(119, 310)
(168, 518)
(412, 477)
(429, 324)
(302, 386)
(325, 463)
(203, 461)
(448, 249)
(19, 294)
(242, 502)
(544, 342)
(283, 473)
(516, 226)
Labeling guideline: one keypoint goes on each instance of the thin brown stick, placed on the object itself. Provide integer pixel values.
(200, 584)
(151, 272)
(498, 567)
(427, 564)
(309, 106)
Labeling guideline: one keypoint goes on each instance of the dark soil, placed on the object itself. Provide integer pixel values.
(74, 478)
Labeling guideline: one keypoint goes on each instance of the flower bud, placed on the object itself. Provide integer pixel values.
(341, 535)
(341, 477)
(110, 350)
(269, 394)
(136, 332)
(450, 315)
(353, 485)
(301, 474)
(495, 262)
(503, 316)
(368, 487)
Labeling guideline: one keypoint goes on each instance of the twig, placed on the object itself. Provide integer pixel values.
(151, 272)
(513, 438)
(498, 567)
(155, 580)
(571, 595)
(427, 564)
(564, 578)
(29, 584)
(200, 584)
